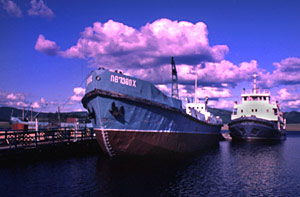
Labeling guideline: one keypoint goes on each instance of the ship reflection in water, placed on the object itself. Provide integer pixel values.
(231, 169)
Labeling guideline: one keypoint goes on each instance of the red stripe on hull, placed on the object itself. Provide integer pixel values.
(120, 143)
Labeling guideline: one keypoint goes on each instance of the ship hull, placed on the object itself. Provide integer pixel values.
(145, 127)
(153, 143)
(251, 128)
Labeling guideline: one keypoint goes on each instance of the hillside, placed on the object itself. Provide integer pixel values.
(224, 114)
(292, 117)
(5, 113)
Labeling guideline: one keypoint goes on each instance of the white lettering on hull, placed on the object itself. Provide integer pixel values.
(123, 80)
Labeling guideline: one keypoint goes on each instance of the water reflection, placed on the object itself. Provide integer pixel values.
(139, 176)
(232, 169)
(255, 166)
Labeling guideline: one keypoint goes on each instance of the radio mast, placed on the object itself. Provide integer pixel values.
(174, 80)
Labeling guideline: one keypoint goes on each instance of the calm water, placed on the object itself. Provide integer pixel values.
(231, 169)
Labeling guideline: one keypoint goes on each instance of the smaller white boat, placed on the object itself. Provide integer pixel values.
(257, 117)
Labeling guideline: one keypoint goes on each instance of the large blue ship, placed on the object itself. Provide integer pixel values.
(132, 117)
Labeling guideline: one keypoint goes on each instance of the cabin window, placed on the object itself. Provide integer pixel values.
(255, 110)
(252, 110)
(245, 98)
(275, 111)
(265, 98)
(234, 111)
(267, 110)
(242, 111)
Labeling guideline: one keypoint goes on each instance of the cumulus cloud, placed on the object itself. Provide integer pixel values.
(286, 73)
(294, 105)
(15, 96)
(11, 8)
(202, 92)
(78, 94)
(35, 105)
(13, 99)
(116, 45)
(46, 46)
(288, 98)
(39, 8)
(43, 101)
(146, 52)
(217, 74)
(284, 95)
(221, 104)
(11, 96)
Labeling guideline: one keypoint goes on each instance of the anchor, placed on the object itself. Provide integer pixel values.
(115, 111)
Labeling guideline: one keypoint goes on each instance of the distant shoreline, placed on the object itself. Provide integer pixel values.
(289, 127)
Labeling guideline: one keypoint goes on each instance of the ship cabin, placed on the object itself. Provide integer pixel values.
(197, 110)
(257, 103)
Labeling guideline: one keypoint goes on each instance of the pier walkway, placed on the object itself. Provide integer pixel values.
(16, 143)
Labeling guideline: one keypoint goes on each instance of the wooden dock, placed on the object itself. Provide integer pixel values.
(19, 144)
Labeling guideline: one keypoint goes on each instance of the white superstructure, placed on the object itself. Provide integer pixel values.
(199, 111)
(257, 103)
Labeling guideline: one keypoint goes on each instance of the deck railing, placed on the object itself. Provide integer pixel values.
(20, 139)
(257, 91)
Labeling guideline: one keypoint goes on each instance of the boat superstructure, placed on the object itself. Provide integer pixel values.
(257, 116)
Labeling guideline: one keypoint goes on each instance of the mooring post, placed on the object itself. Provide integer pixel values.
(15, 139)
(36, 139)
(53, 132)
(5, 135)
(69, 135)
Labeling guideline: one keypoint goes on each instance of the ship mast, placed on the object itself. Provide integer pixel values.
(174, 80)
(196, 79)
(254, 83)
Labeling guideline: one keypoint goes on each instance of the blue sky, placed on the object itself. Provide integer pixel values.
(237, 37)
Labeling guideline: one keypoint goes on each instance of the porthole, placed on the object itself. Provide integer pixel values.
(98, 78)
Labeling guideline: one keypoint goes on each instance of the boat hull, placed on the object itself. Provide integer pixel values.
(140, 143)
(252, 128)
(145, 128)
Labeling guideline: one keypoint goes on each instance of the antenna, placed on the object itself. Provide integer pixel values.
(196, 82)
(174, 80)
(58, 114)
(254, 83)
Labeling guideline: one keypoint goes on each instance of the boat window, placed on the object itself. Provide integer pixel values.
(252, 110)
(268, 110)
(245, 98)
(255, 110)
(275, 111)
(234, 111)
(242, 111)
(265, 98)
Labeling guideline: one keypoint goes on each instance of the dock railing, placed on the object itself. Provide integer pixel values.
(20, 139)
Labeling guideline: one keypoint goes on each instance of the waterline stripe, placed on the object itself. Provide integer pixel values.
(155, 131)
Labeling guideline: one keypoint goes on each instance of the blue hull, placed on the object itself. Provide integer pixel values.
(127, 123)
(251, 128)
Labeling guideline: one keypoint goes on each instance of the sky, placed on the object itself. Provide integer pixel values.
(48, 48)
